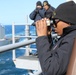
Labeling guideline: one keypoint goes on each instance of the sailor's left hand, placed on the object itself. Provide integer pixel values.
(41, 27)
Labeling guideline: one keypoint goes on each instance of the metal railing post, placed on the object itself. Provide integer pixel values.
(13, 40)
(27, 32)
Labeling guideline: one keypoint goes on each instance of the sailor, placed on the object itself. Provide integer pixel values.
(48, 14)
(54, 59)
(37, 13)
(48, 9)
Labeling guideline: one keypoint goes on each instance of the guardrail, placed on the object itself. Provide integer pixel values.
(15, 45)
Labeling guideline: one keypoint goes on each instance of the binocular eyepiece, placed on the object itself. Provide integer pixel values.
(49, 22)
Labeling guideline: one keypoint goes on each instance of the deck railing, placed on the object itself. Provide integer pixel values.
(26, 43)
(16, 45)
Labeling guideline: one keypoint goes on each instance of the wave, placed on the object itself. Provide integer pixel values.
(7, 66)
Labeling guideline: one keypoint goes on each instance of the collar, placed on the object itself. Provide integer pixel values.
(67, 30)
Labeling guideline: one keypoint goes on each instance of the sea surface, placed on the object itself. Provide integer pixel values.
(7, 66)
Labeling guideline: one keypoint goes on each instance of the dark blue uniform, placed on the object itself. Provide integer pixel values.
(48, 13)
(37, 14)
(54, 60)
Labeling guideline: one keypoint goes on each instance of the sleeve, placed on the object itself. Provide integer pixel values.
(48, 14)
(53, 62)
(33, 15)
(42, 13)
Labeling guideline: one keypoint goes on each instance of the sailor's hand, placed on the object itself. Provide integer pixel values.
(41, 27)
(36, 10)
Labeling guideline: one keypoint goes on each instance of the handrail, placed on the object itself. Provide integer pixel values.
(16, 45)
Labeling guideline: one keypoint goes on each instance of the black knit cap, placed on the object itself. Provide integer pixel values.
(45, 3)
(38, 3)
(66, 12)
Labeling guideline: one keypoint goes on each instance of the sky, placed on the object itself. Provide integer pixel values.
(17, 10)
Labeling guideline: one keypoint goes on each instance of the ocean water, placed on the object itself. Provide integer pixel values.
(7, 66)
